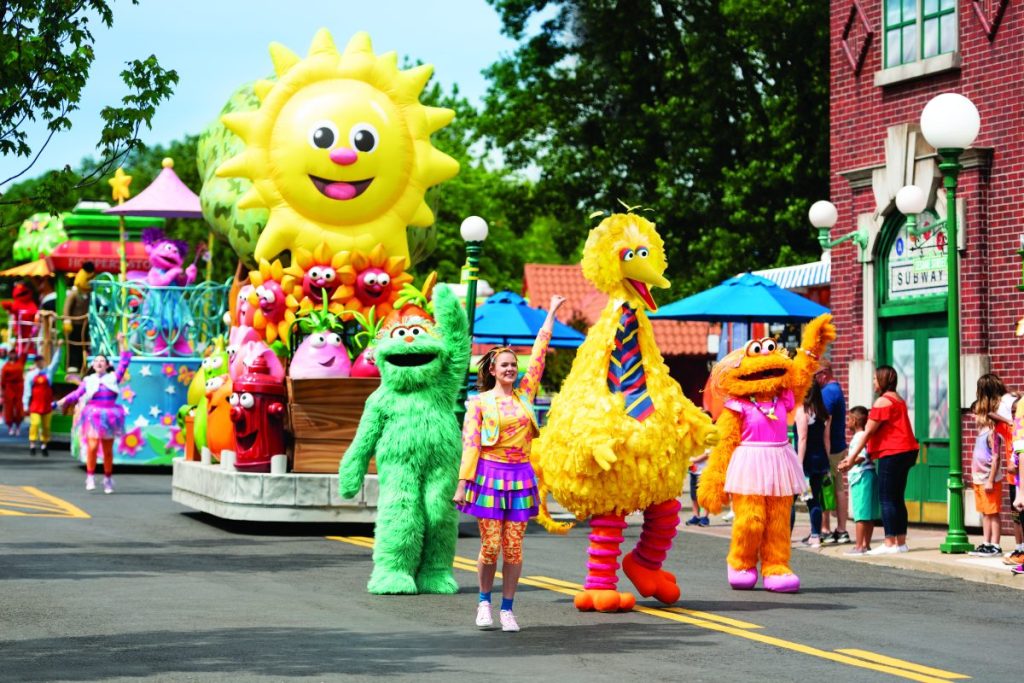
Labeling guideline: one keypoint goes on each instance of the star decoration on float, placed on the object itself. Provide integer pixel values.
(154, 411)
(141, 422)
(171, 390)
(145, 371)
(119, 185)
(339, 150)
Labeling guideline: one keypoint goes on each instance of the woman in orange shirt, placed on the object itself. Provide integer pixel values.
(891, 444)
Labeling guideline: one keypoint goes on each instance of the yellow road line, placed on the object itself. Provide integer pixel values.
(910, 666)
(31, 498)
(909, 671)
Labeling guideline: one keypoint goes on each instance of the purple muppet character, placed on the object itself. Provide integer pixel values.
(166, 314)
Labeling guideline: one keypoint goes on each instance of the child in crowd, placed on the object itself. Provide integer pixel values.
(863, 482)
(987, 477)
(1013, 476)
(37, 400)
(697, 464)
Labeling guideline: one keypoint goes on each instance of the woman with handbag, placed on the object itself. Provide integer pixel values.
(813, 425)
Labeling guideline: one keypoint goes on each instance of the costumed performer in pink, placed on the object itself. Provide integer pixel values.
(102, 418)
(497, 484)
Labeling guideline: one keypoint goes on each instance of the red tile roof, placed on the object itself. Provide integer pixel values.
(585, 302)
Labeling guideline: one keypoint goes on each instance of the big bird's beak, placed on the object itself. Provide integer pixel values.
(640, 275)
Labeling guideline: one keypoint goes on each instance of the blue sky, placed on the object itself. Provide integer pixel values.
(217, 45)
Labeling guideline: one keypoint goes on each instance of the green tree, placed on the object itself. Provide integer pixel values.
(515, 234)
(47, 47)
(712, 113)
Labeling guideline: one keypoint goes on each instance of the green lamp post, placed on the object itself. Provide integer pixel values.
(823, 216)
(474, 231)
(950, 123)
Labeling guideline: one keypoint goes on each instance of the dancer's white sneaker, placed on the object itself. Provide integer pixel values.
(483, 615)
(508, 621)
(90, 482)
(108, 484)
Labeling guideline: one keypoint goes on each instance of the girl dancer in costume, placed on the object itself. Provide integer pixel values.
(102, 418)
(496, 481)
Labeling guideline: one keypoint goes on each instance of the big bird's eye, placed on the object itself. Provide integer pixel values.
(626, 254)
(642, 252)
(754, 349)
(323, 135)
(398, 332)
(769, 345)
(363, 137)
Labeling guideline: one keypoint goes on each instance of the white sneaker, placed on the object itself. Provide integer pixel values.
(483, 615)
(903, 548)
(884, 550)
(508, 621)
(855, 551)
(90, 482)
(108, 484)
(728, 516)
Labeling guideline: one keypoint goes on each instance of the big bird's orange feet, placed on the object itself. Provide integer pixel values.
(651, 582)
(590, 599)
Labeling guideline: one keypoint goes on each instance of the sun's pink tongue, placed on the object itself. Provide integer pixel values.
(340, 190)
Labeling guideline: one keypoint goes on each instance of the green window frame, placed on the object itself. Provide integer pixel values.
(918, 29)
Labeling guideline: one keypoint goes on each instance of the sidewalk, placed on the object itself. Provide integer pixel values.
(924, 554)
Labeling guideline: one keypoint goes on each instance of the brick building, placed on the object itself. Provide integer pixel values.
(888, 59)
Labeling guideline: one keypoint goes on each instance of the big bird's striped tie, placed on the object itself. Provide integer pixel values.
(626, 370)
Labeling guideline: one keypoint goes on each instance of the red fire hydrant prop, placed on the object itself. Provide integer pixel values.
(258, 413)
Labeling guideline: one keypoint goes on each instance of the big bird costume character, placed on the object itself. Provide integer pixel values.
(620, 433)
(754, 461)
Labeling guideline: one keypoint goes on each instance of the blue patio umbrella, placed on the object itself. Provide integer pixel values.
(746, 298)
(506, 318)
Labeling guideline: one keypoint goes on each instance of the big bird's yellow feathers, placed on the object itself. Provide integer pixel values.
(592, 456)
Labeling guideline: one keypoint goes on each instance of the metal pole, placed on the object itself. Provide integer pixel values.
(956, 536)
(470, 273)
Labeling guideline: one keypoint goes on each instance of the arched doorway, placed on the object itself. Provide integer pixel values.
(911, 288)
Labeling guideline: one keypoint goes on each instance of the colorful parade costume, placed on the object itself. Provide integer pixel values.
(408, 425)
(754, 462)
(101, 418)
(38, 400)
(621, 433)
(12, 383)
(496, 437)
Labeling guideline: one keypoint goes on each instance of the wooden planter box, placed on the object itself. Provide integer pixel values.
(323, 416)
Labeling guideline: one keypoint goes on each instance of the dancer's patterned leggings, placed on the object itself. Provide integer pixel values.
(497, 535)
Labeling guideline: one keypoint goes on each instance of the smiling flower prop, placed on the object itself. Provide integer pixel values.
(339, 150)
(311, 276)
(371, 281)
(271, 316)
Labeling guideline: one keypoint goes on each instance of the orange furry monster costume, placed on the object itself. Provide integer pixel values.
(754, 461)
(620, 433)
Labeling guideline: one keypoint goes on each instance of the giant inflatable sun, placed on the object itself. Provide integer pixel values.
(339, 150)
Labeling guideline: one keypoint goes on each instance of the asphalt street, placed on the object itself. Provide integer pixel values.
(132, 586)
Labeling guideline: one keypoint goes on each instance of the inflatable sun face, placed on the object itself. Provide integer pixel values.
(339, 150)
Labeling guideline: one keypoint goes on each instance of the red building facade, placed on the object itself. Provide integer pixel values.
(888, 59)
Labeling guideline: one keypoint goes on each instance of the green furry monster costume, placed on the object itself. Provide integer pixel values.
(409, 424)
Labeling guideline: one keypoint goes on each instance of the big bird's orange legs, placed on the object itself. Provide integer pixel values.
(643, 565)
(599, 591)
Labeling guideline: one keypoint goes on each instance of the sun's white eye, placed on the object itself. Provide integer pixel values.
(318, 341)
(233, 399)
(328, 274)
(323, 135)
(626, 255)
(754, 349)
(334, 339)
(398, 332)
(769, 345)
(370, 278)
(363, 137)
(314, 273)
(642, 252)
(246, 400)
(384, 279)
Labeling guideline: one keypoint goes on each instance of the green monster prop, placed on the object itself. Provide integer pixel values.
(409, 424)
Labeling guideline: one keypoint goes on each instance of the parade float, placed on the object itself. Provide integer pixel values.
(315, 177)
(169, 319)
